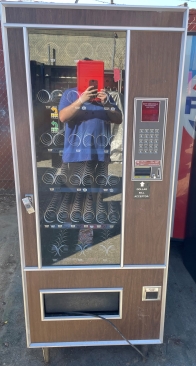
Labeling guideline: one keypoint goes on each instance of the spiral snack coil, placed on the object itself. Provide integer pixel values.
(50, 214)
(101, 173)
(101, 209)
(88, 212)
(50, 175)
(63, 213)
(46, 138)
(76, 174)
(88, 172)
(77, 208)
(113, 212)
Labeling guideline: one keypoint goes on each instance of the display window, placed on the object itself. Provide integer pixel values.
(78, 126)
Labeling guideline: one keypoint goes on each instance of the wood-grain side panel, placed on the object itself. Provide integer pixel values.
(154, 66)
(21, 116)
(94, 17)
(140, 319)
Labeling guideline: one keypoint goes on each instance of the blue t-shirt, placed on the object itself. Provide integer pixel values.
(87, 139)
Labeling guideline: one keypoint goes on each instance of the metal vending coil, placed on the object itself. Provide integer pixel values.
(105, 234)
(58, 139)
(113, 212)
(50, 175)
(76, 210)
(88, 212)
(61, 175)
(76, 175)
(60, 244)
(113, 180)
(46, 138)
(75, 139)
(50, 214)
(102, 140)
(63, 213)
(88, 140)
(101, 209)
(43, 96)
(56, 95)
(88, 172)
(112, 137)
(101, 174)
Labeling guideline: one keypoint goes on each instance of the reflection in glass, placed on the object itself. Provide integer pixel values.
(77, 87)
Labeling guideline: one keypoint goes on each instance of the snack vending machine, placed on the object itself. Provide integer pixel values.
(94, 109)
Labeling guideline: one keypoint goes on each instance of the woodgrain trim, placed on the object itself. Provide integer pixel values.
(154, 69)
(21, 116)
(94, 17)
(140, 319)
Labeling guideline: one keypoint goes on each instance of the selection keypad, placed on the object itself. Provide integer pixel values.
(148, 141)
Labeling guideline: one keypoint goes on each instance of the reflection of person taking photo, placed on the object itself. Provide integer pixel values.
(88, 114)
(87, 134)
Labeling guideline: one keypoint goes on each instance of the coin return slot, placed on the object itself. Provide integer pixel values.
(151, 293)
(142, 172)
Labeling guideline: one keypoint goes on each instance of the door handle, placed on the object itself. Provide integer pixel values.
(28, 203)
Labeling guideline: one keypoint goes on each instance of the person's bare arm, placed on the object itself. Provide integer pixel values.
(69, 112)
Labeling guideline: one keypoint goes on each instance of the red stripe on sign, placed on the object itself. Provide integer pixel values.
(147, 162)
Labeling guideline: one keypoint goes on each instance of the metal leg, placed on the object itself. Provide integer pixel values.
(144, 348)
(46, 354)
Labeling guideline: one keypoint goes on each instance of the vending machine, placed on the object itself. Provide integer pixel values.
(94, 152)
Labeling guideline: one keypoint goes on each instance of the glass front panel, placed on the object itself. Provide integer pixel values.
(78, 97)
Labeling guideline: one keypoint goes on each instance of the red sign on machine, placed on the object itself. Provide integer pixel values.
(150, 111)
(147, 163)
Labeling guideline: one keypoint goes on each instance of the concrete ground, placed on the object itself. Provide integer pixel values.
(179, 348)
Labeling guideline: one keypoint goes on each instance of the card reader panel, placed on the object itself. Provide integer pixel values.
(149, 138)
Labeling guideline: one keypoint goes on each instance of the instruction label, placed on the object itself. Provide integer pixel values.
(141, 190)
